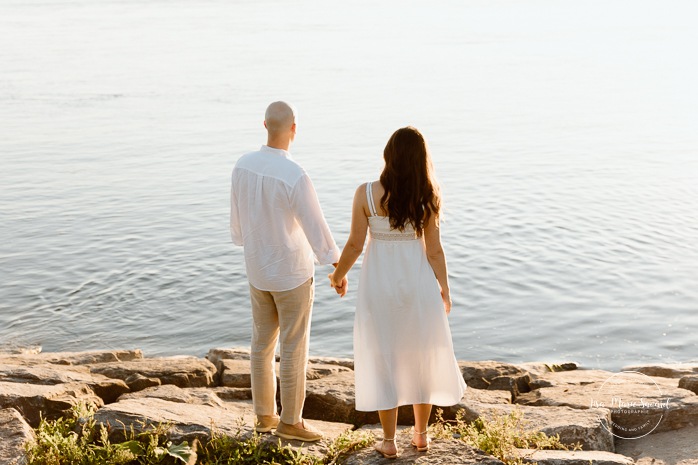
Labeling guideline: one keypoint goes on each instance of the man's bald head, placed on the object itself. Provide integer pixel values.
(279, 118)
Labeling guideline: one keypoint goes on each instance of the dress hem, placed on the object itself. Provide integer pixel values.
(401, 404)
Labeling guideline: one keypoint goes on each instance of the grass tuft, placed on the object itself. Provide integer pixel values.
(499, 436)
(78, 440)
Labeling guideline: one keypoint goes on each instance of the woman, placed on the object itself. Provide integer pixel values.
(403, 353)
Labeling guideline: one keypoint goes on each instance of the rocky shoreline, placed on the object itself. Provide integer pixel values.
(195, 395)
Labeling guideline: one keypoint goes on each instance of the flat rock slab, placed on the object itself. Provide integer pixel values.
(573, 377)
(343, 362)
(665, 370)
(591, 428)
(678, 447)
(34, 401)
(485, 397)
(188, 421)
(321, 370)
(661, 405)
(15, 433)
(539, 368)
(441, 452)
(577, 457)
(172, 393)
(74, 358)
(197, 421)
(243, 353)
(47, 374)
(228, 393)
(180, 371)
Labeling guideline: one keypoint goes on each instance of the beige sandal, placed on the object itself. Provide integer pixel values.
(379, 449)
(421, 448)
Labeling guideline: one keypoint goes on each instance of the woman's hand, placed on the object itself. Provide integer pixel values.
(339, 286)
(446, 297)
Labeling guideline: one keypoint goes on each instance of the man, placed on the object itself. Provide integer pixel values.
(276, 216)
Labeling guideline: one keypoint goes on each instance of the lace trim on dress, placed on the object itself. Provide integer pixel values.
(393, 236)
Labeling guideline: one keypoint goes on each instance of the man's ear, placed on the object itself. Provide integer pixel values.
(293, 128)
(265, 124)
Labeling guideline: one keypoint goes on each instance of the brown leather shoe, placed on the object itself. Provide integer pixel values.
(305, 434)
(266, 423)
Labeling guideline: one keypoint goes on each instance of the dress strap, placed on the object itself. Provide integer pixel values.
(369, 197)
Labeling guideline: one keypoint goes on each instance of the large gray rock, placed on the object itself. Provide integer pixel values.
(665, 370)
(233, 353)
(490, 374)
(332, 398)
(441, 452)
(138, 382)
(690, 383)
(236, 373)
(180, 371)
(47, 374)
(189, 421)
(53, 401)
(661, 404)
(678, 447)
(15, 434)
(576, 457)
(591, 428)
(74, 358)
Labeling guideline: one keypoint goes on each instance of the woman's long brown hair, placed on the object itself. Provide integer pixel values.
(411, 192)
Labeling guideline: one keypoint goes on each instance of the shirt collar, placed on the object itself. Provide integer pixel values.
(283, 153)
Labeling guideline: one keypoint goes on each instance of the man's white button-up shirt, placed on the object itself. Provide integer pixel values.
(276, 216)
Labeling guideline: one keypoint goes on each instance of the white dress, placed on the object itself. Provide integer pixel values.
(403, 353)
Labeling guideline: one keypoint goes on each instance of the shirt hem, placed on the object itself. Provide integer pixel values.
(284, 288)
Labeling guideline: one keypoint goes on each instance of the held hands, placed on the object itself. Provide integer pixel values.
(340, 286)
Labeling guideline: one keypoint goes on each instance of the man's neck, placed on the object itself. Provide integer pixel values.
(279, 144)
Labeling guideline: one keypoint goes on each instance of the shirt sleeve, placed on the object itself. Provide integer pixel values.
(235, 229)
(306, 208)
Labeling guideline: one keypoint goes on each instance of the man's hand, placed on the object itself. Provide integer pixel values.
(341, 287)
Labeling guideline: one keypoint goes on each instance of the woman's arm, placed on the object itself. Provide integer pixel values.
(437, 258)
(355, 243)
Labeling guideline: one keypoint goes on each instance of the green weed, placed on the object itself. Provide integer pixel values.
(499, 436)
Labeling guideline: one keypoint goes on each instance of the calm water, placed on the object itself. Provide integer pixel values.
(563, 133)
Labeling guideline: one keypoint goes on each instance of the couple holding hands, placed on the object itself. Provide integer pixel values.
(403, 352)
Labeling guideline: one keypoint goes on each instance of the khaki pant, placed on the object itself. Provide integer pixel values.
(281, 315)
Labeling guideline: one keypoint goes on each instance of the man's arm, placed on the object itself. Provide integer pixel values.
(235, 229)
(306, 207)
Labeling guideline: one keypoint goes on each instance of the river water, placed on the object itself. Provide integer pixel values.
(563, 133)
